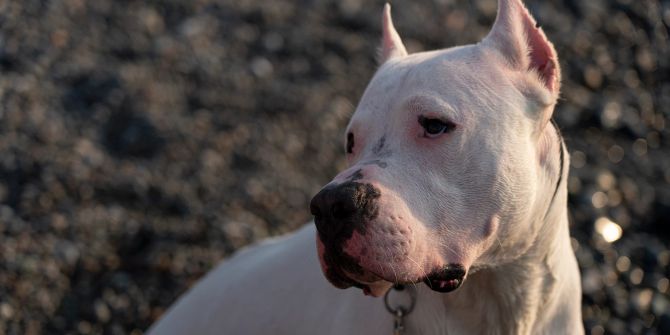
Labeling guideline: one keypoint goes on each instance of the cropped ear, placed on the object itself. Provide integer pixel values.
(522, 42)
(391, 44)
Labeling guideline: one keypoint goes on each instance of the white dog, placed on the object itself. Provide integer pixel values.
(457, 179)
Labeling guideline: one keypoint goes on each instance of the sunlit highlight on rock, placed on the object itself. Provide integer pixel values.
(609, 230)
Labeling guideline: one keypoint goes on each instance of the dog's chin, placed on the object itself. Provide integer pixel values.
(375, 289)
(370, 283)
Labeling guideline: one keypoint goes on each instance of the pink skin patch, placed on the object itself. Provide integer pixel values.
(542, 55)
(373, 286)
(379, 250)
(448, 283)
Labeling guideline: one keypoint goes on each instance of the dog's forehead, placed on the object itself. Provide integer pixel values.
(446, 77)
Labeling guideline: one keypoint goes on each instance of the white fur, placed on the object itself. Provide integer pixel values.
(481, 196)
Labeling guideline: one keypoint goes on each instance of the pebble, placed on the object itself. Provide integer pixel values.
(102, 312)
(6, 311)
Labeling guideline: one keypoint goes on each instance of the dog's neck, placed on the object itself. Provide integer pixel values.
(508, 298)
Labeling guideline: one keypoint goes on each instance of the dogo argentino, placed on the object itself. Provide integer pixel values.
(456, 190)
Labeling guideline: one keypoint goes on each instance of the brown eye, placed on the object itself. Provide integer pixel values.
(350, 142)
(435, 127)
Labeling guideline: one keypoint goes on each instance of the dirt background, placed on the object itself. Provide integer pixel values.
(141, 142)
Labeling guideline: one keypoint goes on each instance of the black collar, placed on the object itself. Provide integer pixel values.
(562, 161)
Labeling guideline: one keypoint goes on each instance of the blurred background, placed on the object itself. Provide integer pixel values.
(141, 142)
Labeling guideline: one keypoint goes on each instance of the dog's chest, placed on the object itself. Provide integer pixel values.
(485, 305)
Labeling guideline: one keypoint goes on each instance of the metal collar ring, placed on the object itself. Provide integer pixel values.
(406, 310)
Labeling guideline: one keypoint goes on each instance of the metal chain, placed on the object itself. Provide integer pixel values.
(399, 312)
(398, 325)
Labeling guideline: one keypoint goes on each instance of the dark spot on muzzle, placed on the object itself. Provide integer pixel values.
(338, 211)
(382, 164)
(358, 174)
(446, 279)
(380, 145)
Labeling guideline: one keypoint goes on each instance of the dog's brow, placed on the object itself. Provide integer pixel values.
(428, 104)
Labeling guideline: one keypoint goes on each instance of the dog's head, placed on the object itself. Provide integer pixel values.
(448, 156)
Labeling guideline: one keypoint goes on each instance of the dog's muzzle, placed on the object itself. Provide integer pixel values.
(341, 209)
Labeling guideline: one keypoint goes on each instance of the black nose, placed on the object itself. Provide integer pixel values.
(338, 209)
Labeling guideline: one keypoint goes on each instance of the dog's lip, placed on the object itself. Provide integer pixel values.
(373, 284)
(443, 285)
(443, 280)
(446, 279)
(437, 284)
(377, 289)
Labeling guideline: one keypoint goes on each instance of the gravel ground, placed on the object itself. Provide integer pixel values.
(143, 141)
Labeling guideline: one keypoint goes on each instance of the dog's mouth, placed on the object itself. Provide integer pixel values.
(344, 271)
(444, 280)
(447, 279)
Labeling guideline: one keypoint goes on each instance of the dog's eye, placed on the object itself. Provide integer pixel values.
(435, 127)
(350, 143)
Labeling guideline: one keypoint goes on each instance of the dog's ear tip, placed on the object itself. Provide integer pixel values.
(391, 44)
(386, 16)
(518, 36)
